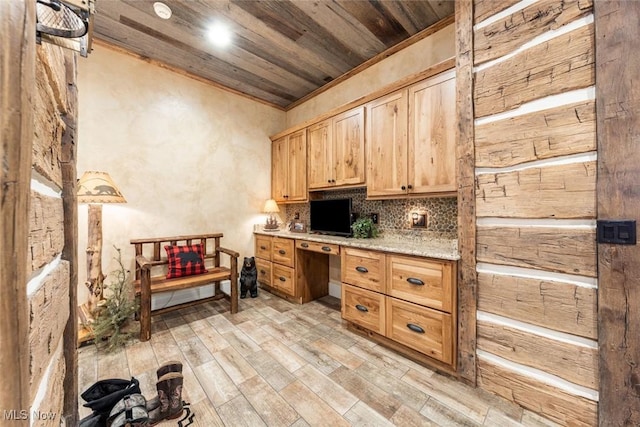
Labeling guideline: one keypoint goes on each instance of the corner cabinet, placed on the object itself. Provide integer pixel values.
(289, 168)
(411, 140)
(336, 151)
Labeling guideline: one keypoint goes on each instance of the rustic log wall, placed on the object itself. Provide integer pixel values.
(535, 200)
(49, 290)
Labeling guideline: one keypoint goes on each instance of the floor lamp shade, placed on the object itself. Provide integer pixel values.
(98, 187)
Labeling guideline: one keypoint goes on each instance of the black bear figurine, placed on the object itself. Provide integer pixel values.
(249, 278)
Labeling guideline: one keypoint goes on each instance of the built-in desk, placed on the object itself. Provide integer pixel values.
(397, 291)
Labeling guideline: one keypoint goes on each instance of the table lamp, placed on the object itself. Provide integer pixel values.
(96, 188)
(271, 207)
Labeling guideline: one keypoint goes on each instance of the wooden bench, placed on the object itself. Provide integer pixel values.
(147, 283)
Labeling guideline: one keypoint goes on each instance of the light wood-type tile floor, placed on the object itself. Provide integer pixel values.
(280, 364)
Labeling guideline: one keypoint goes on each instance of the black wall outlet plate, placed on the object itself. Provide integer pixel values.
(621, 232)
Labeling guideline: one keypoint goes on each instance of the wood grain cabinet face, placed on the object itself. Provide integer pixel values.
(411, 140)
(289, 168)
(283, 251)
(387, 145)
(283, 279)
(422, 281)
(336, 151)
(420, 328)
(263, 247)
(264, 271)
(363, 268)
(432, 144)
(364, 308)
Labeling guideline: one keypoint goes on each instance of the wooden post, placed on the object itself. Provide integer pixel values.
(70, 251)
(17, 89)
(467, 277)
(95, 278)
(617, 27)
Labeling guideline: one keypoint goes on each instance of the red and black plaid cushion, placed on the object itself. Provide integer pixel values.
(185, 260)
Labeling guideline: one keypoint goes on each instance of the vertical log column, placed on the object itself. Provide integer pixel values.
(70, 251)
(467, 277)
(17, 68)
(618, 186)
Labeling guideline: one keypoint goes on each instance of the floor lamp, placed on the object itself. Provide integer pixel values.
(94, 189)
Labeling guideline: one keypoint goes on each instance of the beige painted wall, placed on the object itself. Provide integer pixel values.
(415, 58)
(188, 157)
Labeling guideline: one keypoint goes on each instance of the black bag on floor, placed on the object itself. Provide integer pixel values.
(102, 397)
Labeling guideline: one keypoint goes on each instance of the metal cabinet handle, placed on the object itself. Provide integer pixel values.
(415, 281)
(403, 188)
(362, 308)
(304, 245)
(415, 328)
(361, 269)
(263, 272)
(326, 248)
(282, 252)
(282, 279)
(409, 186)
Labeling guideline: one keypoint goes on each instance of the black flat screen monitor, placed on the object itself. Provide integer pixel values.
(331, 217)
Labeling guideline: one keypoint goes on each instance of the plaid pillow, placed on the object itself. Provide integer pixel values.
(185, 260)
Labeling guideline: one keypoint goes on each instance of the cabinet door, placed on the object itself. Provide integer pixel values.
(297, 173)
(423, 329)
(279, 168)
(320, 155)
(432, 145)
(264, 271)
(283, 279)
(348, 139)
(263, 247)
(422, 281)
(387, 145)
(363, 307)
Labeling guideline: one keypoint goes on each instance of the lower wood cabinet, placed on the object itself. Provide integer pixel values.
(275, 262)
(363, 307)
(420, 328)
(408, 300)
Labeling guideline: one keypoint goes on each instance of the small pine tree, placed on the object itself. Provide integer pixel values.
(108, 328)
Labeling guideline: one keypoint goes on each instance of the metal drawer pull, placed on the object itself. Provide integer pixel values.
(362, 308)
(263, 272)
(282, 279)
(282, 252)
(362, 269)
(415, 328)
(264, 248)
(326, 248)
(415, 281)
(304, 245)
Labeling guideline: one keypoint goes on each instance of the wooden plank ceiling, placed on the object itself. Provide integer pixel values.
(281, 50)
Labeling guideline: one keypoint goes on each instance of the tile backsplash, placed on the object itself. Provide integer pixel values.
(395, 215)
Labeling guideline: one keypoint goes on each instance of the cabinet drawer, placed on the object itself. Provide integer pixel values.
(363, 268)
(264, 271)
(365, 308)
(283, 251)
(263, 247)
(325, 248)
(422, 281)
(423, 329)
(283, 278)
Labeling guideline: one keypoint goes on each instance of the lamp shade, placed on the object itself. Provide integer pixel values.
(98, 187)
(270, 206)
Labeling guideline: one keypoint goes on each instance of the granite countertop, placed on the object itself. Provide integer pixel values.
(431, 247)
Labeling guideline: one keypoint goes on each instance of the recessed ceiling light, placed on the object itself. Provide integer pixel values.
(219, 34)
(162, 10)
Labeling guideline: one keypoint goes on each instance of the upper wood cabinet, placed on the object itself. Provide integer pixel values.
(411, 140)
(289, 168)
(387, 145)
(432, 144)
(336, 151)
